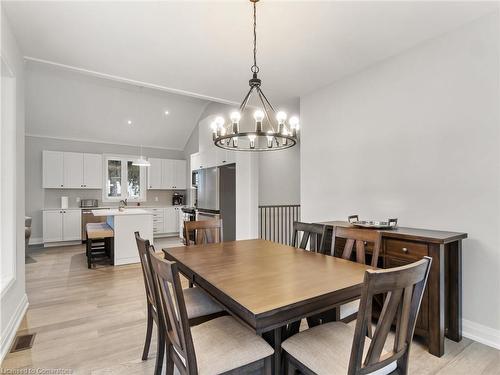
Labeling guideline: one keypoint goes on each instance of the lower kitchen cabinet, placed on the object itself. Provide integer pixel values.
(62, 225)
(166, 220)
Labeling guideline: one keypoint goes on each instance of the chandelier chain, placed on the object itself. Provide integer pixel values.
(255, 68)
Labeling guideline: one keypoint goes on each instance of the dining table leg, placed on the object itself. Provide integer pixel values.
(275, 338)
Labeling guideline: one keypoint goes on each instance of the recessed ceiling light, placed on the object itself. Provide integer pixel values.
(129, 122)
(167, 112)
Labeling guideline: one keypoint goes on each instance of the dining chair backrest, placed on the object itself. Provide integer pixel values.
(203, 231)
(404, 287)
(312, 234)
(356, 239)
(174, 314)
(144, 248)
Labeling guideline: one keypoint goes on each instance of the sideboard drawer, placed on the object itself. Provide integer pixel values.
(405, 249)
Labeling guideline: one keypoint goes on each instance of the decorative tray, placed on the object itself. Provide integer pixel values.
(373, 224)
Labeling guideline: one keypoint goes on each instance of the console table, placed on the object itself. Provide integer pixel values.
(441, 310)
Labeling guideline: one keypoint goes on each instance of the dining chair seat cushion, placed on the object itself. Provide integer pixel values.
(326, 349)
(199, 303)
(224, 344)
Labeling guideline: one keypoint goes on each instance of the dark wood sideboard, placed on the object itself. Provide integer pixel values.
(441, 309)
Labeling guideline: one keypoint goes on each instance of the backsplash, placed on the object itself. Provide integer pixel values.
(153, 197)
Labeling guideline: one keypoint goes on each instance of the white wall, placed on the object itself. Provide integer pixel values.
(13, 300)
(417, 137)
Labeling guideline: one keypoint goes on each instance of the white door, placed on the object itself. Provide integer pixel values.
(167, 174)
(180, 174)
(53, 170)
(171, 220)
(154, 174)
(72, 225)
(52, 226)
(92, 171)
(73, 170)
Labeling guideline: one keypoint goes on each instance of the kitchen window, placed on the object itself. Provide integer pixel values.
(124, 180)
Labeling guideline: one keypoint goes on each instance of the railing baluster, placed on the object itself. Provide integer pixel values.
(276, 222)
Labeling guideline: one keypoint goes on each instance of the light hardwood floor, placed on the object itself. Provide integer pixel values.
(94, 321)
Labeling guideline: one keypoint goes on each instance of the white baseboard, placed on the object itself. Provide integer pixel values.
(36, 240)
(480, 333)
(9, 333)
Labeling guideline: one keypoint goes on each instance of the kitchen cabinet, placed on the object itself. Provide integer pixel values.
(202, 160)
(53, 175)
(62, 225)
(180, 174)
(172, 219)
(92, 171)
(155, 173)
(223, 157)
(72, 170)
(167, 174)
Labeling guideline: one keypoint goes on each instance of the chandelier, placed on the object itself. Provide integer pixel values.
(271, 132)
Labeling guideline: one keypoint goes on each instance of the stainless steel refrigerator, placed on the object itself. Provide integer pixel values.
(216, 197)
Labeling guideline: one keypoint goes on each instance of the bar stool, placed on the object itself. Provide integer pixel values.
(100, 242)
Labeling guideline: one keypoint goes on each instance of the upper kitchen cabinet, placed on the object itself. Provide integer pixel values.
(92, 171)
(53, 169)
(72, 170)
(155, 173)
(180, 172)
(166, 174)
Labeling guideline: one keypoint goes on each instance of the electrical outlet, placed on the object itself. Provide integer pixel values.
(156, 199)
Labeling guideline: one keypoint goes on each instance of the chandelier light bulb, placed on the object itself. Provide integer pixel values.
(258, 115)
(270, 138)
(219, 120)
(235, 117)
(252, 137)
(281, 117)
(213, 126)
(294, 122)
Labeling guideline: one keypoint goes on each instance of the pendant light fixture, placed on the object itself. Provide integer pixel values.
(142, 161)
(271, 131)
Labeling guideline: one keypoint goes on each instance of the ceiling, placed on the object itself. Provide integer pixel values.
(69, 105)
(204, 47)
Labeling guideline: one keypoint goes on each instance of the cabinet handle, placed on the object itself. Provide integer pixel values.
(223, 161)
(62, 185)
(404, 249)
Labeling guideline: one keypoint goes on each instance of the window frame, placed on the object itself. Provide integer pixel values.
(124, 159)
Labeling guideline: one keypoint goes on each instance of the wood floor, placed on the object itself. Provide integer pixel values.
(94, 321)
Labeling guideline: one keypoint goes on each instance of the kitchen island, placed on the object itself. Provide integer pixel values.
(125, 222)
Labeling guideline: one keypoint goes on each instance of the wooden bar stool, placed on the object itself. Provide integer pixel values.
(100, 242)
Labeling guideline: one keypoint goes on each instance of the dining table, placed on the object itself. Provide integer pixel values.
(267, 285)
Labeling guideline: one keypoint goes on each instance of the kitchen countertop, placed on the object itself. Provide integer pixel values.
(117, 212)
(108, 207)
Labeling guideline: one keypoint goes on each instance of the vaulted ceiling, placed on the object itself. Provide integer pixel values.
(203, 48)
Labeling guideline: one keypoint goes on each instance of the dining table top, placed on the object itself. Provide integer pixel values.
(259, 279)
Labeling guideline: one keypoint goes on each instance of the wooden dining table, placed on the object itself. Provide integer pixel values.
(266, 285)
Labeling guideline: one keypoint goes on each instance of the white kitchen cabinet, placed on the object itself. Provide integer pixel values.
(52, 226)
(72, 225)
(62, 225)
(167, 174)
(53, 173)
(172, 219)
(73, 170)
(224, 157)
(155, 173)
(180, 174)
(92, 171)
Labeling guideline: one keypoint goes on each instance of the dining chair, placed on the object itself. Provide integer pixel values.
(219, 346)
(200, 307)
(336, 348)
(356, 240)
(305, 234)
(203, 231)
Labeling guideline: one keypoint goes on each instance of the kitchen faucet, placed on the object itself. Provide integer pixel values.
(123, 203)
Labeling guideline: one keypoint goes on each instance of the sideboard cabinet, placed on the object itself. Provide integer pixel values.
(441, 310)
